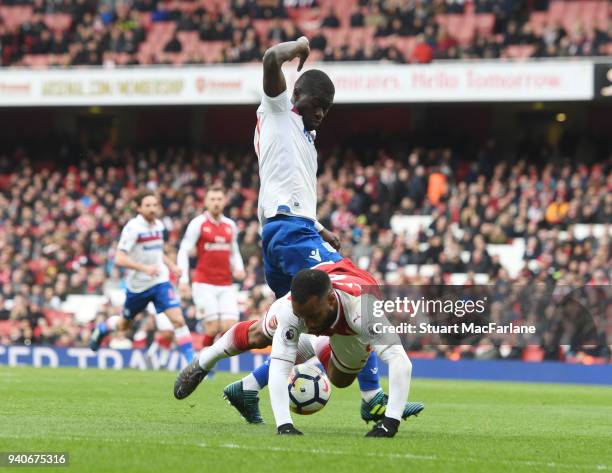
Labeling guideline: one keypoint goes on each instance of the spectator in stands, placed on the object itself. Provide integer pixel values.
(357, 20)
(241, 8)
(94, 20)
(455, 6)
(44, 44)
(318, 42)
(422, 52)
(331, 20)
(186, 23)
(267, 9)
(173, 45)
(277, 33)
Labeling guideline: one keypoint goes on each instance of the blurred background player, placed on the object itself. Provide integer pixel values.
(214, 236)
(141, 252)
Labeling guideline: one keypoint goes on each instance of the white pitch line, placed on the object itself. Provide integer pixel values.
(323, 451)
(410, 456)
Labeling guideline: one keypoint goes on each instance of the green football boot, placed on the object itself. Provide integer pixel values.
(245, 402)
(375, 409)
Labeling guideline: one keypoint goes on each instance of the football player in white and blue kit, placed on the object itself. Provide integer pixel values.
(141, 252)
(292, 238)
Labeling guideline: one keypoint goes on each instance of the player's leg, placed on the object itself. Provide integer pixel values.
(343, 356)
(212, 326)
(159, 351)
(165, 300)
(227, 297)
(241, 337)
(206, 301)
(135, 302)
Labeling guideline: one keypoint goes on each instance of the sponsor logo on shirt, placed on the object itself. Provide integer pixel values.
(315, 255)
(217, 246)
(150, 236)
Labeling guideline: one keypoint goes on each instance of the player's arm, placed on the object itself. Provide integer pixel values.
(236, 262)
(400, 372)
(122, 260)
(188, 243)
(172, 265)
(328, 236)
(273, 79)
(284, 352)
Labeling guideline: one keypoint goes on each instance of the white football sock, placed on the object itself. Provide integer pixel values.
(249, 383)
(367, 396)
(225, 347)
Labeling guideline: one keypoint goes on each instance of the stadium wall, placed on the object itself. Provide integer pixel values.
(542, 372)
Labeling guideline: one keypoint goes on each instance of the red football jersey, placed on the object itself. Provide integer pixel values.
(217, 249)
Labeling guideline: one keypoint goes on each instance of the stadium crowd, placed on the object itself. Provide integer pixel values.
(96, 32)
(59, 226)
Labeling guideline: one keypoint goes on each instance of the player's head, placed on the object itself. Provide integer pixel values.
(313, 299)
(215, 200)
(147, 204)
(313, 96)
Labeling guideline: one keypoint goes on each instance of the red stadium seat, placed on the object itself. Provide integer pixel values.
(460, 27)
(315, 56)
(361, 35)
(405, 44)
(176, 58)
(538, 21)
(6, 326)
(307, 19)
(189, 40)
(211, 50)
(57, 318)
(520, 51)
(337, 36)
(58, 21)
(556, 11)
(342, 8)
(485, 23)
(14, 16)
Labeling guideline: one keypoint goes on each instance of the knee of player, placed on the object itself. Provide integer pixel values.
(176, 318)
(341, 380)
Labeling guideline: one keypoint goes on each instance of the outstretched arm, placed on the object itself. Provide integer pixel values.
(273, 79)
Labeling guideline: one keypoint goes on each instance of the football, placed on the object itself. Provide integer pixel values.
(309, 389)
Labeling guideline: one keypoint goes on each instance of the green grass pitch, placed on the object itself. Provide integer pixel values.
(128, 421)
